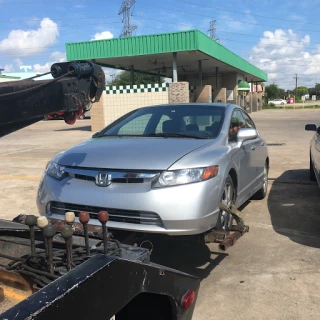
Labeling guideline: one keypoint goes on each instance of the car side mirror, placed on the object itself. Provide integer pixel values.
(245, 134)
(310, 127)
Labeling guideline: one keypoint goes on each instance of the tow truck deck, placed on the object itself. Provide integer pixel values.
(52, 269)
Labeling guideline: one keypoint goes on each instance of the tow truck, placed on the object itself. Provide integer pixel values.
(63, 269)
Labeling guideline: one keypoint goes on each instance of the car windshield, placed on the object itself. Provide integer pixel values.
(178, 121)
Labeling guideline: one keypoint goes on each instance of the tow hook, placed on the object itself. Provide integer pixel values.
(227, 239)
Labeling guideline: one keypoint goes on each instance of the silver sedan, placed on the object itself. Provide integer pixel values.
(161, 169)
(314, 153)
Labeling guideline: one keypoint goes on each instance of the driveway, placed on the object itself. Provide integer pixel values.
(271, 273)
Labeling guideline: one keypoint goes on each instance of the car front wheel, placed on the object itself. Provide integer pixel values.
(225, 219)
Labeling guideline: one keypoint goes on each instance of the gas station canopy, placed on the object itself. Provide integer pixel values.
(155, 54)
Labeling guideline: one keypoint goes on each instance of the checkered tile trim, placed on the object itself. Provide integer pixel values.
(155, 87)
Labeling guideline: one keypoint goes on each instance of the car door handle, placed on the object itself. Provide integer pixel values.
(253, 148)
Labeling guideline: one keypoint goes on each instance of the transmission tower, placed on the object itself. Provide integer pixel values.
(126, 12)
(213, 30)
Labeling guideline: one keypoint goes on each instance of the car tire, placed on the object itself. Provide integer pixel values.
(225, 219)
(311, 172)
(282, 103)
(262, 193)
(45, 118)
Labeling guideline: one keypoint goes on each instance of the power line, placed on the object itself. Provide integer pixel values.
(61, 1)
(263, 45)
(56, 18)
(231, 20)
(60, 26)
(255, 36)
(174, 10)
(182, 24)
(245, 13)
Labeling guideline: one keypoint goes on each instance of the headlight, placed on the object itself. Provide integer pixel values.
(56, 171)
(184, 176)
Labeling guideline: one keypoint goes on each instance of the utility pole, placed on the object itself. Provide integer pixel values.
(213, 29)
(296, 77)
(125, 10)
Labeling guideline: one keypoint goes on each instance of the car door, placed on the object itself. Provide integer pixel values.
(315, 152)
(260, 153)
(242, 156)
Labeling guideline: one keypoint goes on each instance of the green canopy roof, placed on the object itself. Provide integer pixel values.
(153, 54)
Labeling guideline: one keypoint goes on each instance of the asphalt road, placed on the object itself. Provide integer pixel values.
(271, 273)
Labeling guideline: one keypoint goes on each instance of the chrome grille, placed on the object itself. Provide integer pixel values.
(115, 180)
(115, 215)
(116, 176)
(83, 177)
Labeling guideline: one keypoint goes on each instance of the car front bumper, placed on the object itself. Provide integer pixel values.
(181, 210)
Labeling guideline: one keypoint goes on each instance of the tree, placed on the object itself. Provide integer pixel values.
(124, 78)
(272, 91)
(301, 91)
(315, 90)
(282, 92)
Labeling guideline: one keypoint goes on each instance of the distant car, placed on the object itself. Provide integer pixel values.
(278, 102)
(161, 169)
(314, 153)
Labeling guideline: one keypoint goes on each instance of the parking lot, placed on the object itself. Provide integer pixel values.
(272, 272)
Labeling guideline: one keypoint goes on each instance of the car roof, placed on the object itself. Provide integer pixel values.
(180, 105)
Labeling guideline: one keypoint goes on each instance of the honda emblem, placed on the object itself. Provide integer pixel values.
(103, 179)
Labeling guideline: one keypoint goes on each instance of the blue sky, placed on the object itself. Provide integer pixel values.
(280, 37)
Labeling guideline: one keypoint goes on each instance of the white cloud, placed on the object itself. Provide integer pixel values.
(283, 53)
(103, 35)
(8, 68)
(18, 62)
(58, 56)
(55, 56)
(13, 66)
(28, 43)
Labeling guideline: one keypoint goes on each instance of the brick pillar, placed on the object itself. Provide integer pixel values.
(179, 92)
(248, 102)
(219, 95)
(97, 113)
(204, 94)
(260, 101)
(254, 102)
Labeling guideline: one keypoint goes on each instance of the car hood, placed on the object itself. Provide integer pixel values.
(129, 153)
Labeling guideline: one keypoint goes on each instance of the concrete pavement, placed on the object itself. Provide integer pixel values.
(272, 272)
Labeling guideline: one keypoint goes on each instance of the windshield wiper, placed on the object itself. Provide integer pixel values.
(176, 135)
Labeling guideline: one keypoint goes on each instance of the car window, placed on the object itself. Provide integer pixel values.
(159, 128)
(248, 121)
(136, 126)
(237, 122)
(198, 122)
(186, 120)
